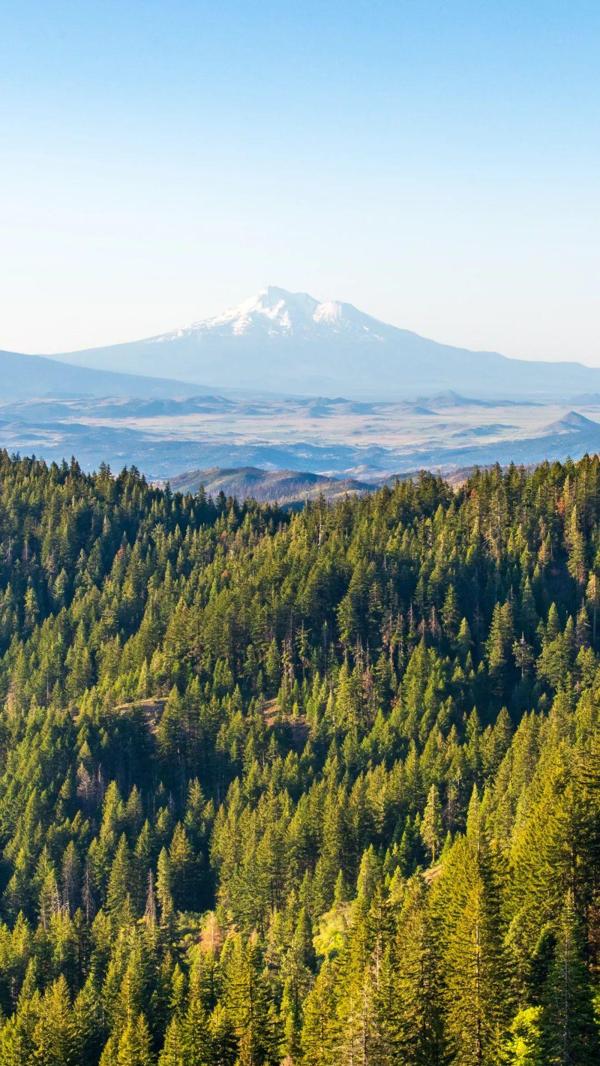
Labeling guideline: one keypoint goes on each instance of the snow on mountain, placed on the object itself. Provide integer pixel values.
(284, 342)
(278, 313)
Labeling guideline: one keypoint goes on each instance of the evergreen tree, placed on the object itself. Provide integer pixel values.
(571, 1036)
(237, 747)
(475, 968)
(431, 825)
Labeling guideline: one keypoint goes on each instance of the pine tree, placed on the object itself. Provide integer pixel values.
(163, 889)
(416, 1010)
(320, 1034)
(89, 1021)
(431, 825)
(55, 1035)
(571, 1037)
(250, 1002)
(17, 1045)
(478, 994)
(524, 1043)
(592, 593)
(576, 544)
(133, 1047)
(176, 1050)
(223, 1044)
(450, 615)
(118, 894)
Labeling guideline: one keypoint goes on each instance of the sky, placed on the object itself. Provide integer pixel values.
(436, 164)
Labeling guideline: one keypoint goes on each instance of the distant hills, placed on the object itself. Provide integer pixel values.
(291, 343)
(288, 488)
(293, 488)
(575, 423)
(355, 441)
(31, 376)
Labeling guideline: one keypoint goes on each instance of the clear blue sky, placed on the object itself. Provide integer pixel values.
(438, 164)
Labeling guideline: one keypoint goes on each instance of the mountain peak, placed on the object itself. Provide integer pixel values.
(293, 343)
(572, 422)
(275, 312)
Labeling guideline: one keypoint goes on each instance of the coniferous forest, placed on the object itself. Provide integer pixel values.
(316, 788)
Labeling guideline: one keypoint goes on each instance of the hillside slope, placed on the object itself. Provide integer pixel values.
(308, 788)
(34, 376)
(285, 487)
(311, 788)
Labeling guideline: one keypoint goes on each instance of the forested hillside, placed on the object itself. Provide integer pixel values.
(320, 788)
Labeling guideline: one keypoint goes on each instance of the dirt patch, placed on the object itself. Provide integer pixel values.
(297, 724)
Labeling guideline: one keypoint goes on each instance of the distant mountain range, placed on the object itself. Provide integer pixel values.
(284, 384)
(30, 376)
(292, 343)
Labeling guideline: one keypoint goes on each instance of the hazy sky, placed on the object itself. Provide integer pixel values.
(437, 164)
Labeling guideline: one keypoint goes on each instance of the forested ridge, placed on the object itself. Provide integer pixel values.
(320, 788)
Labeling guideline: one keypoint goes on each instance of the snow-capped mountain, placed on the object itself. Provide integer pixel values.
(291, 343)
(273, 312)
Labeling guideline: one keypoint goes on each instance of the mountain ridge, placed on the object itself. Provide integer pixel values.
(293, 343)
(288, 488)
(28, 376)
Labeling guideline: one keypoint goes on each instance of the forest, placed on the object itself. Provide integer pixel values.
(317, 788)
